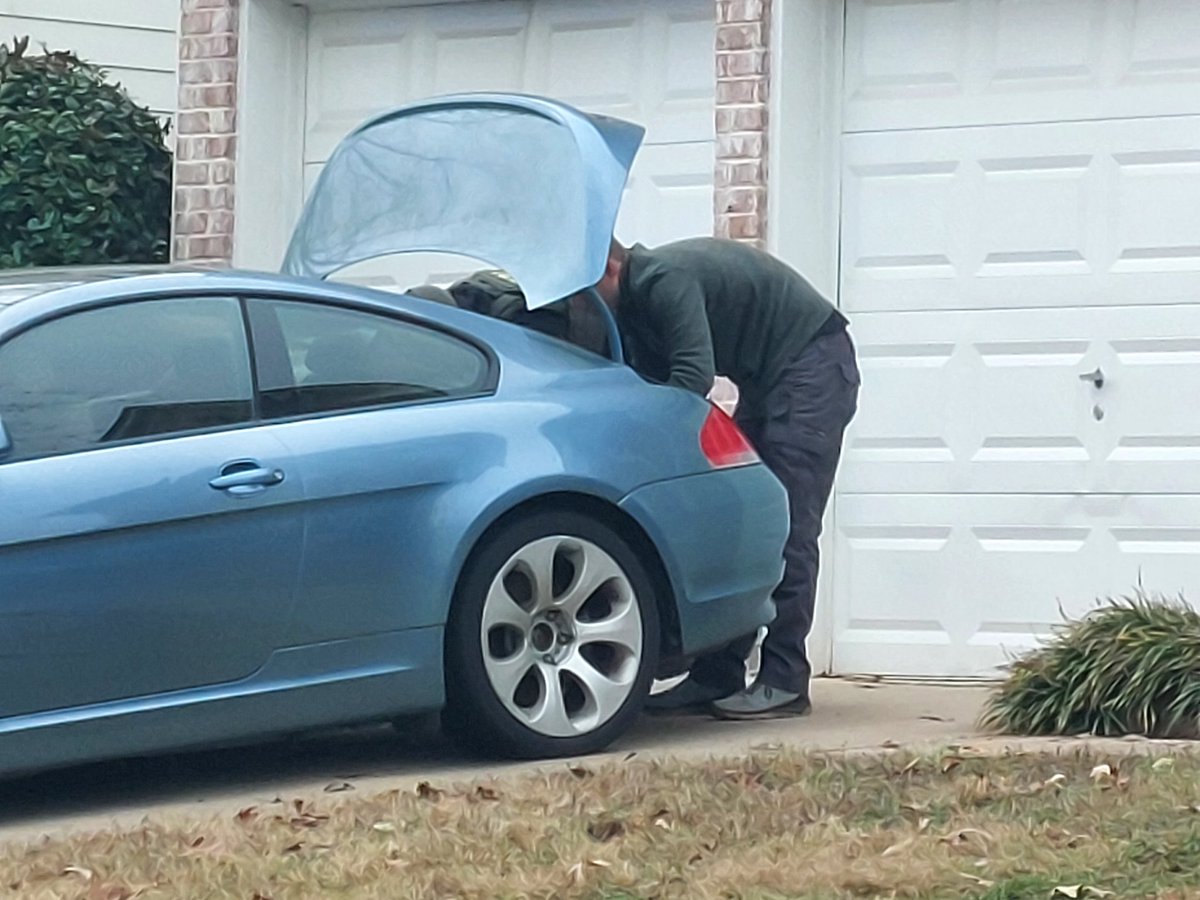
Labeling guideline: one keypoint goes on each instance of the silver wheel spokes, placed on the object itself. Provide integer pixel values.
(562, 636)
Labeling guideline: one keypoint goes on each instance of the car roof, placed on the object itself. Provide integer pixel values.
(21, 284)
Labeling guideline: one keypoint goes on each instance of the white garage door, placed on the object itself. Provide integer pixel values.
(1021, 261)
(650, 61)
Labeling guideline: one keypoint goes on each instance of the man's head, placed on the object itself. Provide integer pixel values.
(609, 286)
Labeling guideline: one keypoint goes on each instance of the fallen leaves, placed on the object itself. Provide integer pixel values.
(576, 874)
(963, 836)
(303, 816)
(949, 819)
(1076, 891)
(101, 890)
(1107, 776)
(427, 791)
(606, 830)
(483, 792)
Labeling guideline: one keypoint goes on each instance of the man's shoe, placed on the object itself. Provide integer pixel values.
(761, 701)
(687, 695)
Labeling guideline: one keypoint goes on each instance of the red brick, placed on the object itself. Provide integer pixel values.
(742, 36)
(203, 199)
(218, 147)
(189, 149)
(742, 172)
(740, 146)
(740, 10)
(214, 247)
(191, 23)
(204, 121)
(191, 173)
(190, 223)
(222, 172)
(208, 22)
(219, 46)
(207, 96)
(193, 148)
(741, 118)
(208, 71)
(741, 90)
(740, 200)
(221, 222)
(192, 123)
(742, 227)
(740, 63)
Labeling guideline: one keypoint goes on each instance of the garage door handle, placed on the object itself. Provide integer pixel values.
(247, 481)
(1096, 377)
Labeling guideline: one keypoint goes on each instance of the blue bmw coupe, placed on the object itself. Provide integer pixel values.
(236, 505)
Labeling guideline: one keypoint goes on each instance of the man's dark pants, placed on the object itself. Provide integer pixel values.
(798, 433)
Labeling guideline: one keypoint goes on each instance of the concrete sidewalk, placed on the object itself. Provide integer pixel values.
(854, 716)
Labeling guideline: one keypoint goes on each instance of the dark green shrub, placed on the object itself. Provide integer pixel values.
(1130, 667)
(85, 175)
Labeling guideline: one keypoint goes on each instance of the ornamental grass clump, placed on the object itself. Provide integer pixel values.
(1132, 666)
(85, 173)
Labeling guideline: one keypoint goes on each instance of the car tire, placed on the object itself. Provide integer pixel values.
(552, 640)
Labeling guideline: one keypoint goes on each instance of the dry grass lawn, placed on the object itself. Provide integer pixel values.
(778, 825)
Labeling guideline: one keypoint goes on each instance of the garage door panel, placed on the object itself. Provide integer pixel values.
(588, 56)
(457, 55)
(933, 585)
(1074, 214)
(359, 64)
(651, 64)
(940, 63)
(999, 402)
(669, 195)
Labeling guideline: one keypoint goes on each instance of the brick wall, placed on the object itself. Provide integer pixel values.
(206, 131)
(743, 69)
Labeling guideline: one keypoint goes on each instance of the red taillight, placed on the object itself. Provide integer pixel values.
(723, 443)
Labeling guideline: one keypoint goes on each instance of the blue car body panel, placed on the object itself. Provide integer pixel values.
(141, 610)
(720, 535)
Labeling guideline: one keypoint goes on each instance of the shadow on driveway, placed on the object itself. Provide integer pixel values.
(200, 776)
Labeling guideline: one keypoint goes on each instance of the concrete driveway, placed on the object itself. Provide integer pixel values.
(847, 715)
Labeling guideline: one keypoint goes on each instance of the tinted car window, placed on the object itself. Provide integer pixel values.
(130, 371)
(315, 358)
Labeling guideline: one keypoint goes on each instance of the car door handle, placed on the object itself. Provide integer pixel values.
(243, 478)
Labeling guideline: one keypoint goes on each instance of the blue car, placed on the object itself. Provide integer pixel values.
(235, 505)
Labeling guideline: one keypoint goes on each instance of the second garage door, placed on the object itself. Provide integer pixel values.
(1021, 261)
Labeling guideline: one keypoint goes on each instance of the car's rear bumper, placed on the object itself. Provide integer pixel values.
(721, 536)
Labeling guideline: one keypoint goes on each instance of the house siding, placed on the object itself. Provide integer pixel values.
(134, 41)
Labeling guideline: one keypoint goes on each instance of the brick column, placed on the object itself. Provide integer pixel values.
(740, 196)
(206, 131)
